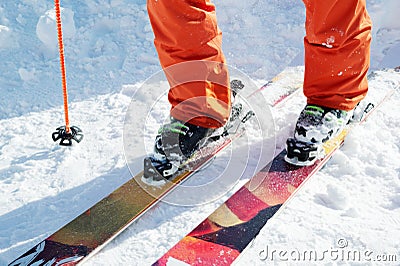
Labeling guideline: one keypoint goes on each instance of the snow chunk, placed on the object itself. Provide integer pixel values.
(328, 42)
(336, 198)
(5, 36)
(46, 28)
(26, 75)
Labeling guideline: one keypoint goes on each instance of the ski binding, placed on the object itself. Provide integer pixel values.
(303, 153)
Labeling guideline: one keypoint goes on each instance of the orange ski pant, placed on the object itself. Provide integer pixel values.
(337, 52)
(188, 42)
(337, 43)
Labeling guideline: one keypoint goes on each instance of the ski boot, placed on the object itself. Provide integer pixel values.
(177, 141)
(315, 126)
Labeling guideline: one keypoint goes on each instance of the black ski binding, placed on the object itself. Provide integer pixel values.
(75, 133)
(157, 170)
(236, 111)
(302, 153)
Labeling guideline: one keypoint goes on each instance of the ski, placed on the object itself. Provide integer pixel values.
(88, 233)
(222, 237)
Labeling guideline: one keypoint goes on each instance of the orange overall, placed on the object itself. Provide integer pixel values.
(337, 43)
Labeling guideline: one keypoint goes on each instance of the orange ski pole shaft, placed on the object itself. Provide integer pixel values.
(64, 134)
(62, 63)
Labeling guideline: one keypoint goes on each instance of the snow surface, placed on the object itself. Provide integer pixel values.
(354, 201)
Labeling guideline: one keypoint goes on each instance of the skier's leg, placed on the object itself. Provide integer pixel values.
(337, 52)
(188, 42)
(187, 31)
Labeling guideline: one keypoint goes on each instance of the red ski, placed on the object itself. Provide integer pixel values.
(225, 234)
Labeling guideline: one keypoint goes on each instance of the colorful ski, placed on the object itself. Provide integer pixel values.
(225, 234)
(92, 230)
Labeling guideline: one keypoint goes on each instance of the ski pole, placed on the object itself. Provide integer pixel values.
(65, 133)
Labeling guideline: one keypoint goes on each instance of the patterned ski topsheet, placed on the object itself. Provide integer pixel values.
(203, 246)
(89, 232)
(247, 211)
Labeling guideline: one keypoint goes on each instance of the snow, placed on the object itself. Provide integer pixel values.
(354, 200)
(46, 28)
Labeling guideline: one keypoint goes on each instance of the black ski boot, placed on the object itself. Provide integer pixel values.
(175, 143)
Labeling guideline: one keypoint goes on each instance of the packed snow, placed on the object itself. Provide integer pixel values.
(352, 203)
